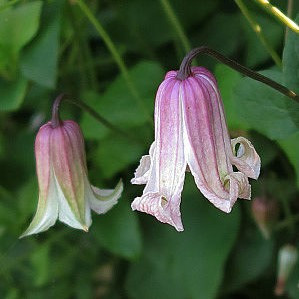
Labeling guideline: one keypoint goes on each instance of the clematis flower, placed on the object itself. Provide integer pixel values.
(191, 134)
(64, 190)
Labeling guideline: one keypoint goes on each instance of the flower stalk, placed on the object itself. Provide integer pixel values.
(185, 70)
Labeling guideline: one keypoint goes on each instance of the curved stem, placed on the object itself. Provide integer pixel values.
(185, 70)
(102, 120)
(55, 121)
(274, 11)
(259, 32)
(115, 54)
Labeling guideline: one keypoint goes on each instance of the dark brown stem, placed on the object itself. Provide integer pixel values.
(185, 70)
(55, 121)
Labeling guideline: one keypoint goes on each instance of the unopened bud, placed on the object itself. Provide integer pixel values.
(287, 258)
(265, 212)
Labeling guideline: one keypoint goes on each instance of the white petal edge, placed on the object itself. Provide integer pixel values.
(47, 212)
(142, 172)
(246, 158)
(102, 201)
(152, 203)
(67, 216)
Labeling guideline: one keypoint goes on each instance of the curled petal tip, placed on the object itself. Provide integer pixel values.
(152, 203)
(85, 228)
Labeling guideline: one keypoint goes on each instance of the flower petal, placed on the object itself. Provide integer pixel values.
(142, 172)
(162, 193)
(47, 212)
(156, 205)
(246, 158)
(102, 201)
(67, 149)
(67, 215)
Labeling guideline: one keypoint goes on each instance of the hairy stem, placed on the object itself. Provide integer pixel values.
(185, 70)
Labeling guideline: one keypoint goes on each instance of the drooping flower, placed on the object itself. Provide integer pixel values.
(287, 259)
(191, 134)
(265, 212)
(64, 189)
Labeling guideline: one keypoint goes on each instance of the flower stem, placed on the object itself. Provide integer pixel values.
(176, 24)
(275, 12)
(185, 70)
(55, 121)
(113, 50)
(258, 30)
(103, 120)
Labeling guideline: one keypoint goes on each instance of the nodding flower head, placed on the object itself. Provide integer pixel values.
(191, 134)
(64, 189)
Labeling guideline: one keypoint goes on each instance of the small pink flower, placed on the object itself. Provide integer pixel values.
(191, 134)
(64, 190)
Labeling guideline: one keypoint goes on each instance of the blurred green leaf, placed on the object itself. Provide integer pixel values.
(118, 230)
(12, 94)
(117, 103)
(115, 153)
(224, 25)
(188, 264)
(40, 260)
(290, 146)
(263, 108)
(249, 259)
(256, 52)
(39, 60)
(18, 25)
(291, 71)
(227, 80)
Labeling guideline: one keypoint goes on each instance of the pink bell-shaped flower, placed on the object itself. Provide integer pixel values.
(64, 190)
(191, 134)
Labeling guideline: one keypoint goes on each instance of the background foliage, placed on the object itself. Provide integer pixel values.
(48, 47)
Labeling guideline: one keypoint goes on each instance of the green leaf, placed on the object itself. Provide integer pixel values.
(117, 103)
(224, 25)
(290, 146)
(256, 52)
(227, 80)
(12, 94)
(263, 108)
(41, 262)
(187, 264)
(39, 60)
(249, 259)
(115, 153)
(18, 25)
(291, 70)
(118, 230)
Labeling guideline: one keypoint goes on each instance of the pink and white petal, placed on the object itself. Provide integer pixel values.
(67, 215)
(47, 212)
(162, 193)
(157, 205)
(102, 200)
(142, 172)
(204, 142)
(246, 158)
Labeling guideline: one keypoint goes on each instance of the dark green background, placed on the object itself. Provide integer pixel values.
(49, 47)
